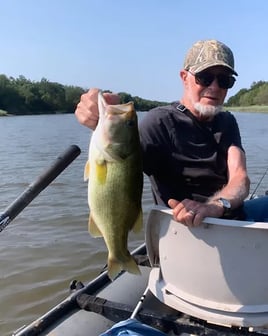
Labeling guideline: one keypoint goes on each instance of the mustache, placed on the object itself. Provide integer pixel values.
(207, 92)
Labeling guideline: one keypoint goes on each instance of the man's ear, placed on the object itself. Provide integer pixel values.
(183, 74)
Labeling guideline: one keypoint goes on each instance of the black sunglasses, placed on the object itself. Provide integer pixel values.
(205, 78)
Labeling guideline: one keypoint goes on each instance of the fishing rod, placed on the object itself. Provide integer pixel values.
(61, 162)
(254, 191)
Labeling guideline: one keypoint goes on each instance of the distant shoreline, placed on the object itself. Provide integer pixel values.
(6, 114)
(252, 108)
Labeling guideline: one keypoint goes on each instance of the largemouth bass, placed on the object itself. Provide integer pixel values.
(114, 171)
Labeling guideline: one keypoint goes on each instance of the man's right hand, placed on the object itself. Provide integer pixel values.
(87, 112)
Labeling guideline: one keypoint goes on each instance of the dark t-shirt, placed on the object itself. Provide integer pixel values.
(184, 157)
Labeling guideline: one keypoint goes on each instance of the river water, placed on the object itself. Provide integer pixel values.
(47, 245)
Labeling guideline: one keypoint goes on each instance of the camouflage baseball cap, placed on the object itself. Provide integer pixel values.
(208, 53)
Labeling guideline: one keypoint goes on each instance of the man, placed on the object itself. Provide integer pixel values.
(192, 150)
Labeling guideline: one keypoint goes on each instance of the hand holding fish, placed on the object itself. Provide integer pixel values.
(87, 111)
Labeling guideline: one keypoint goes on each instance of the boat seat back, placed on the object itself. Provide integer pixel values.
(218, 270)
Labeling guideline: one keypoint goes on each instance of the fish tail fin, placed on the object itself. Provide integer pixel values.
(115, 267)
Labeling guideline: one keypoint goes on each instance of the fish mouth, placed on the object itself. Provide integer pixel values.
(119, 109)
(127, 109)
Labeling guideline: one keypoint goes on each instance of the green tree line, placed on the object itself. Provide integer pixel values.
(21, 96)
(257, 94)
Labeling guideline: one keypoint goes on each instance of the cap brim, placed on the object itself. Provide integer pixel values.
(201, 67)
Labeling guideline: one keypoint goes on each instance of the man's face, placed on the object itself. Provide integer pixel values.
(203, 91)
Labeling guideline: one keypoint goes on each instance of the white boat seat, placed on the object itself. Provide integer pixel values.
(217, 272)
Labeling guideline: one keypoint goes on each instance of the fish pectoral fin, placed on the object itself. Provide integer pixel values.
(101, 171)
(137, 227)
(116, 266)
(93, 228)
(86, 171)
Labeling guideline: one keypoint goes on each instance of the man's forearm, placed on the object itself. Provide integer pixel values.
(235, 191)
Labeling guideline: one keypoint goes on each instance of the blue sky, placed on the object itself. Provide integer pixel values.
(134, 46)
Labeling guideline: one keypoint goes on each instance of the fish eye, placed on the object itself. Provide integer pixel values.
(130, 123)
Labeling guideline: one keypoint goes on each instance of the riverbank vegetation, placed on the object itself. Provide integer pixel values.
(21, 96)
(252, 108)
(254, 99)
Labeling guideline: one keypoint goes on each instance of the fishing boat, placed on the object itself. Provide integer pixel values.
(207, 280)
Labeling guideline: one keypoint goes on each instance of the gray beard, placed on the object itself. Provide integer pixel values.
(207, 111)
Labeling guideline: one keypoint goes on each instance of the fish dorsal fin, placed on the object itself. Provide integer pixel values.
(86, 171)
(93, 228)
(138, 223)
